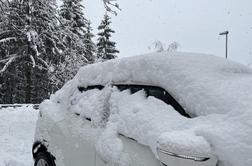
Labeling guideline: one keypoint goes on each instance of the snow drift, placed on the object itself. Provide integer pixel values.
(17, 127)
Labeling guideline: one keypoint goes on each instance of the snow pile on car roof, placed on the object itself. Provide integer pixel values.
(219, 84)
(217, 92)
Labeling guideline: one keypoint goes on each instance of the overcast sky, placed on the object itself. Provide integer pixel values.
(194, 24)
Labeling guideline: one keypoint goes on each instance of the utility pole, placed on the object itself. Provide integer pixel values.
(225, 33)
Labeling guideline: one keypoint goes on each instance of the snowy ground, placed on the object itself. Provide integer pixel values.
(16, 135)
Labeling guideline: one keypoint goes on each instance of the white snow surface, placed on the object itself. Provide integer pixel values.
(215, 91)
(109, 146)
(17, 126)
(189, 77)
(152, 122)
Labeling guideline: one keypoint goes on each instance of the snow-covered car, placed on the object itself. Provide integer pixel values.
(162, 109)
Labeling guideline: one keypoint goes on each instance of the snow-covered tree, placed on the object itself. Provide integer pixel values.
(173, 47)
(156, 46)
(90, 46)
(72, 11)
(73, 30)
(106, 49)
(29, 43)
(35, 47)
(44, 22)
(111, 6)
(159, 46)
(74, 25)
(30, 33)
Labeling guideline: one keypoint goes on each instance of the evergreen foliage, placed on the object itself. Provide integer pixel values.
(31, 30)
(106, 48)
(29, 42)
(73, 25)
(73, 29)
(90, 47)
(72, 12)
(42, 47)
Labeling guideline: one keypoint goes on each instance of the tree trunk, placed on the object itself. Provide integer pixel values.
(28, 84)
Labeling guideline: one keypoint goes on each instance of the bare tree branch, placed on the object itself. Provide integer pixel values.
(1, 6)
(33, 61)
(109, 4)
(7, 58)
(4, 60)
(8, 39)
(7, 65)
(8, 2)
(43, 62)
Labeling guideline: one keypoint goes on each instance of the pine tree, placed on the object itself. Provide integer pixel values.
(90, 46)
(76, 39)
(106, 49)
(44, 22)
(74, 25)
(32, 45)
(30, 42)
(31, 30)
(72, 11)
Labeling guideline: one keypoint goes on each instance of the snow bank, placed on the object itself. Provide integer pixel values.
(13, 162)
(215, 91)
(17, 127)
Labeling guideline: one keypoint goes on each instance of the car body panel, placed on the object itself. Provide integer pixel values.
(68, 145)
(72, 146)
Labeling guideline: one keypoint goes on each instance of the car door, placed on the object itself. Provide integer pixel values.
(133, 152)
(76, 145)
(78, 129)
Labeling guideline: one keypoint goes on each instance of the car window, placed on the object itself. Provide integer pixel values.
(156, 92)
(83, 89)
(84, 99)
